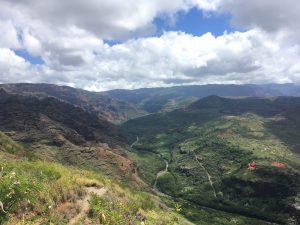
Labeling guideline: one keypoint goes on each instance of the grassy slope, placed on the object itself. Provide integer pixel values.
(224, 145)
(9, 148)
(44, 193)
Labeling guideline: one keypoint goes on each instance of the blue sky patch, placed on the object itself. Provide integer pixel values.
(195, 22)
(36, 60)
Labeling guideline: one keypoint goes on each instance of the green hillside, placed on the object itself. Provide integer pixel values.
(39, 192)
(208, 147)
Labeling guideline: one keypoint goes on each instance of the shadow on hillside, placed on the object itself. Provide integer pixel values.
(287, 131)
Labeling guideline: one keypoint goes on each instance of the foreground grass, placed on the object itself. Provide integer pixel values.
(47, 193)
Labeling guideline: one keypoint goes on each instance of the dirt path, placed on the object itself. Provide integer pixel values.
(207, 174)
(84, 203)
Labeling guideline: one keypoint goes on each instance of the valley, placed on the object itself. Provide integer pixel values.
(209, 146)
(152, 112)
(214, 161)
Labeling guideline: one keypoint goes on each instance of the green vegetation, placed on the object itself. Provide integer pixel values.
(209, 149)
(165, 103)
(149, 165)
(156, 100)
(9, 146)
(16, 192)
(37, 187)
(49, 193)
(114, 211)
(218, 161)
(167, 183)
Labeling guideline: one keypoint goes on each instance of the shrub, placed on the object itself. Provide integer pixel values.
(17, 192)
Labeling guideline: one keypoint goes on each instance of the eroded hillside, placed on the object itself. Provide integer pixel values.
(53, 130)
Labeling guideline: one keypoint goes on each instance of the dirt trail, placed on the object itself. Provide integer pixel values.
(207, 174)
(84, 203)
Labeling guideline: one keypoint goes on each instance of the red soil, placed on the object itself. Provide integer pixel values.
(279, 165)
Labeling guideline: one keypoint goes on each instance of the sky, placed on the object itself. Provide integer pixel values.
(100, 45)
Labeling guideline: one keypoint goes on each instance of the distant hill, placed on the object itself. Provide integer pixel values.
(167, 99)
(54, 130)
(233, 155)
(104, 107)
(209, 108)
(260, 106)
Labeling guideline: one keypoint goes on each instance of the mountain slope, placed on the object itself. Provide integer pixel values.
(167, 99)
(104, 107)
(54, 130)
(40, 192)
(236, 156)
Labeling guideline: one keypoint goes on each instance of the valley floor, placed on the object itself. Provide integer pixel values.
(205, 171)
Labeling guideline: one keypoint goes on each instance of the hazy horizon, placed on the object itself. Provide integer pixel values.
(183, 85)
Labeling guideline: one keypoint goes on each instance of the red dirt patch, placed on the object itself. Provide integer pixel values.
(252, 166)
(279, 165)
(225, 134)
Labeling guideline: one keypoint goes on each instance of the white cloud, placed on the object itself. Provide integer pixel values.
(175, 58)
(274, 16)
(9, 35)
(12, 66)
(31, 44)
(270, 15)
(107, 19)
(68, 35)
(209, 5)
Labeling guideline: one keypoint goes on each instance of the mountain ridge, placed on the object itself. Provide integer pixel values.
(170, 98)
(104, 107)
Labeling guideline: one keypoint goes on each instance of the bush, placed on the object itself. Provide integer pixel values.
(166, 183)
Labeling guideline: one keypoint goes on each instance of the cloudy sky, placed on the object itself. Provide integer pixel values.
(107, 44)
